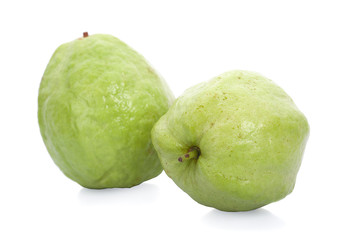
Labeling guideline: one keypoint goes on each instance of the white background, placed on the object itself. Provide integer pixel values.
(302, 45)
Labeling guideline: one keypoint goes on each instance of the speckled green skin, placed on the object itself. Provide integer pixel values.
(251, 137)
(98, 101)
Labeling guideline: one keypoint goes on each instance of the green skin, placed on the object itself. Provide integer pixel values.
(98, 101)
(234, 143)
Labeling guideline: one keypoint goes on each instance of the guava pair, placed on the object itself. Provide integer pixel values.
(109, 120)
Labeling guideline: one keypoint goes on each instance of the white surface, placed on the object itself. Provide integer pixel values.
(302, 45)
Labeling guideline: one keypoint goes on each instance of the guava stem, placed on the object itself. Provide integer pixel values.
(85, 34)
(192, 154)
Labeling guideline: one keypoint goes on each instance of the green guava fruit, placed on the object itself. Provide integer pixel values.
(234, 143)
(98, 101)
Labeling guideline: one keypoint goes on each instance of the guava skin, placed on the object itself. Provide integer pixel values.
(98, 101)
(249, 136)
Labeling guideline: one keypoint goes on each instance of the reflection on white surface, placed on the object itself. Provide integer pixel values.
(141, 194)
(259, 219)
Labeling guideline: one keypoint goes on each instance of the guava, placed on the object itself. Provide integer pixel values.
(98, 101)
(234, 143)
